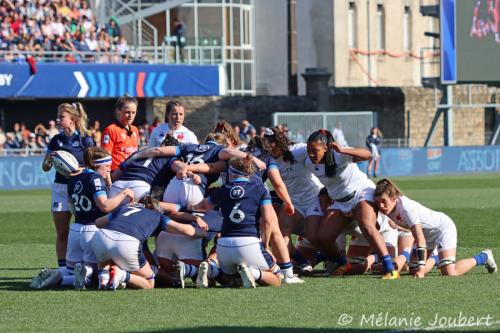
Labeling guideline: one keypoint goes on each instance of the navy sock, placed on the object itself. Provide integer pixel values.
(406, 254)
(387, 262)
(285, 265)
(61, 262)
(299, 258)
(320, 257)
(481, 258)
(127, 277)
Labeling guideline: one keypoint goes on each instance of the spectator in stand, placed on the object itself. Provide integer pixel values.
(11, 142)
(52, 130)
(40, 142)
(121, 139)
(156, 122)
(245, 130)
(3, 139)
(95, 132)
(174, 119)
(25, 133)
(179, 32)
(123, 49)
(374, 144)
(338, 135)
(113, 30)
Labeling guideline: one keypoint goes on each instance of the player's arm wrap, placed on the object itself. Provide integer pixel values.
(421, 250)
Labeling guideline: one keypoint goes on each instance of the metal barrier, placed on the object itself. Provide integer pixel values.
(27, 151)
(166, 54)
(354, 125)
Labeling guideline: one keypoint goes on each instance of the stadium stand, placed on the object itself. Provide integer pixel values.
(58, 31)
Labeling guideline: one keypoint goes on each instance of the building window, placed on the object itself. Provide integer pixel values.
(407, 29)
(380, 27)
(352, 31)
(246, 27)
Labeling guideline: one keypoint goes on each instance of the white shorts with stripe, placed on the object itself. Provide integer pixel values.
(124, 250)
(80, 244)
(232, 251)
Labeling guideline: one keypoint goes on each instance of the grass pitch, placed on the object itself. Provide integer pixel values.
(351, 304)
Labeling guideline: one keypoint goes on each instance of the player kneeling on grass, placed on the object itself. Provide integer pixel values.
(118, 243)
(429, 229)
(87, 188)
(240, 249)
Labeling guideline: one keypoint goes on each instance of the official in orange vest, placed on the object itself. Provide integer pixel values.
(121, 139)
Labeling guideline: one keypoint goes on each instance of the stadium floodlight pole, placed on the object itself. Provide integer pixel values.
(292, 47)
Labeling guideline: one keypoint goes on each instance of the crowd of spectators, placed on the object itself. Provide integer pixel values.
(20, 140)
(42, 26)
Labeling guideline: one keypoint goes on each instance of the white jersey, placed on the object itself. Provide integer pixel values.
(301, 184)
(159, 133)
(347, 179)
(408, 213)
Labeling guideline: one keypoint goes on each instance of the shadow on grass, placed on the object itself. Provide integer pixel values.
(235, 329)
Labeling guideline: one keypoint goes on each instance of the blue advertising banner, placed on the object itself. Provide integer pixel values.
(448, 42)
(109, 80)
(439, 160)
(19, 173)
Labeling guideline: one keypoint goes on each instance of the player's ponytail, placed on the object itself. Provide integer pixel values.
(225, 128)
(78, 115)
(385, 186)
(81, 123)
(95, 156)
(150, 203)
(326, 138)
(169, 141)
(281, 141)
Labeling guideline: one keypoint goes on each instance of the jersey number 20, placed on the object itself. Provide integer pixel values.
(81, 202)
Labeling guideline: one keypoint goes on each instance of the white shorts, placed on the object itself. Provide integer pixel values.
(363, 193)
(446, 239)
(402, 234)
(139, 187)
(60, 198)
(309, 207)
(179, 247)
(124, 250)
(389, 234)
(80, 243)
(183, 192)
(232, 251)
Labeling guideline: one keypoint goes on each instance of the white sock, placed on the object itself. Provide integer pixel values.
(103, 277)
(287, 272)
(89, 272)
(256, 273)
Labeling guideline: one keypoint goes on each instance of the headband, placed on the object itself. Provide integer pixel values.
(103, 161)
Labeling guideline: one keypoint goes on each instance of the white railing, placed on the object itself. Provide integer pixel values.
(72, 57)
(27, 151)
(396, 142)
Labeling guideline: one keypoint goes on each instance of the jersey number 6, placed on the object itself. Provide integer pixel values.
(237, 215)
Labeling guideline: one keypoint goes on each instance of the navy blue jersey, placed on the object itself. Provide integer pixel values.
(137, 221)
(74, 144)
(195, 154)
(148, 169)
(370, 139)
(240, 202)
(82, 190)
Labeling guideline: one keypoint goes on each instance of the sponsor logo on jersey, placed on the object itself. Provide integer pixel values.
(180, 136)
(98, 184)
(202, 148)
(75, 144)
(78, 187)
(106, 138)
(237, 192)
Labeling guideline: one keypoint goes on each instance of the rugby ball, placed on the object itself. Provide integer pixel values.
(64, 163)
